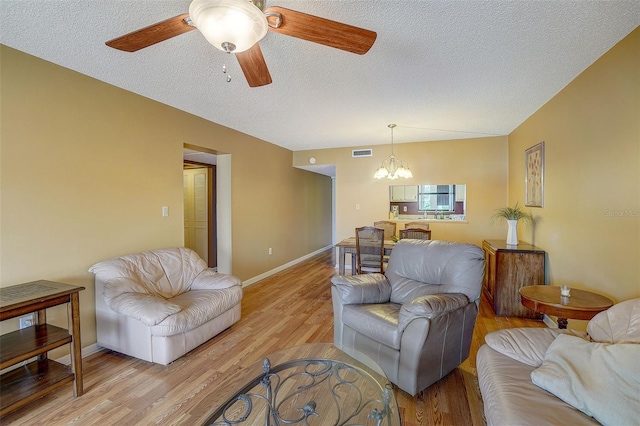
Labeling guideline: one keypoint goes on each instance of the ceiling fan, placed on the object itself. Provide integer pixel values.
(236, 26)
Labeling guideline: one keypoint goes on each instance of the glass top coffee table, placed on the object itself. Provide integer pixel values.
(313, 384)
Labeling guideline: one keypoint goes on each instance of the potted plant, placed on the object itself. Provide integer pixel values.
(512, 215)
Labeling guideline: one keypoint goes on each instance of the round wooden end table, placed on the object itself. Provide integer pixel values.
(546, 299)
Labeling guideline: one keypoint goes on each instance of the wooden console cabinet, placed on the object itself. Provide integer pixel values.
(24, 384)
(507, 269)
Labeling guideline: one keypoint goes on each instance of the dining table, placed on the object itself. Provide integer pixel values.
(348, 245)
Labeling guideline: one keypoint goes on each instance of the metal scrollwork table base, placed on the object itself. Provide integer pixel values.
(314, 384)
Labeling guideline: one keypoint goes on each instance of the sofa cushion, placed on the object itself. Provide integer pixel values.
(618, 324)
(197, 307)
(600, 379)
(376, 321)
(527, 345)
(510, 398)
(146, 308)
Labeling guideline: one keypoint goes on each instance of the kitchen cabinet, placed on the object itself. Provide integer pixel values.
(508, 268)
(404, 193)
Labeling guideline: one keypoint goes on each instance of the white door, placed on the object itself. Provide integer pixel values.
(196, 202)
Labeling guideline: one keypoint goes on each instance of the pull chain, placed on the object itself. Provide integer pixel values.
(227, 47)
(224, 71)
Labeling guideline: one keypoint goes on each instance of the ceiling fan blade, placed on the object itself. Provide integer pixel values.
(152, 34)
(254, 67)
(323, 31)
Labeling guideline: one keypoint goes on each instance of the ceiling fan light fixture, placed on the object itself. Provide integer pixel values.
(229, 22)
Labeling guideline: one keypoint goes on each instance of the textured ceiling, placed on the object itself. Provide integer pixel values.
(439, 69)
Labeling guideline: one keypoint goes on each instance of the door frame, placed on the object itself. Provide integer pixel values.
(223, 207)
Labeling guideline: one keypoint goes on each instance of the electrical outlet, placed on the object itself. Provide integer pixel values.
(26, 321)
(270, 250)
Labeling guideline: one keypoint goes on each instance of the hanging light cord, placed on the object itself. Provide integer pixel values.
(392, 126)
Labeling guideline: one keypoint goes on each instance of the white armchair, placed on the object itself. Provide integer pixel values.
(158, 305)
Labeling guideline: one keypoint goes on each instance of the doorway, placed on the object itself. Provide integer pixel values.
(219, 193)
(200, 231)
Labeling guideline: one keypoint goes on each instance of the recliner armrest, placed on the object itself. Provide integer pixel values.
(359, 289)
(430, 306)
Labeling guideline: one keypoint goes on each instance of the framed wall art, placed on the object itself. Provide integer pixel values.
(534, 176)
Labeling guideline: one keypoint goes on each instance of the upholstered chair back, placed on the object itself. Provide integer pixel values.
(164, 272)
(423, 267)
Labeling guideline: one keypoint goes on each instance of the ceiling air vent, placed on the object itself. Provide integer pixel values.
(362, 152)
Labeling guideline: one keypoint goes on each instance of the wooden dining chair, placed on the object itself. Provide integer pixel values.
(388, 226)
(369, 250)
(416, 225)
(415, 233)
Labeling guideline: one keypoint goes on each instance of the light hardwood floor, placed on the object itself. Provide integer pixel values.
(290, 308)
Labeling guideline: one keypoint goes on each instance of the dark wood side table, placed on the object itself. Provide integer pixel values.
(24, 384)
(509, 268)
(546, 299)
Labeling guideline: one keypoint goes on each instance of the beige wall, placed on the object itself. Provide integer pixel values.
(480, 163)
(589, 225)
(590, 221)
(86, 167)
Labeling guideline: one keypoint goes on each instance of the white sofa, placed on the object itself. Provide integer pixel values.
(158, 305)
(542, 376)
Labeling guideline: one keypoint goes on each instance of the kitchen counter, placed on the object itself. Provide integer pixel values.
(413, 218)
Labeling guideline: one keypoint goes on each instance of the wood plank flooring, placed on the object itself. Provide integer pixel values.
(290, 308)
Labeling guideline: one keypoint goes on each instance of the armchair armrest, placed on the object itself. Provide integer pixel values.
(359, 289)
(209, 279)
(527, 344)
(430, 307)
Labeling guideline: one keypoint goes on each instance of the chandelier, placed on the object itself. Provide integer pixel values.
(392, 168)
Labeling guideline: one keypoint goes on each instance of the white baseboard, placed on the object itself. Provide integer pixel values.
(86, 351)
(283, 267)
(550, 323)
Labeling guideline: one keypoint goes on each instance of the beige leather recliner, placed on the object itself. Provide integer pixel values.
(416, 321)
(158, 305)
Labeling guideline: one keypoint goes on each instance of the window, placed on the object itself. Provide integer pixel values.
(436, 198)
